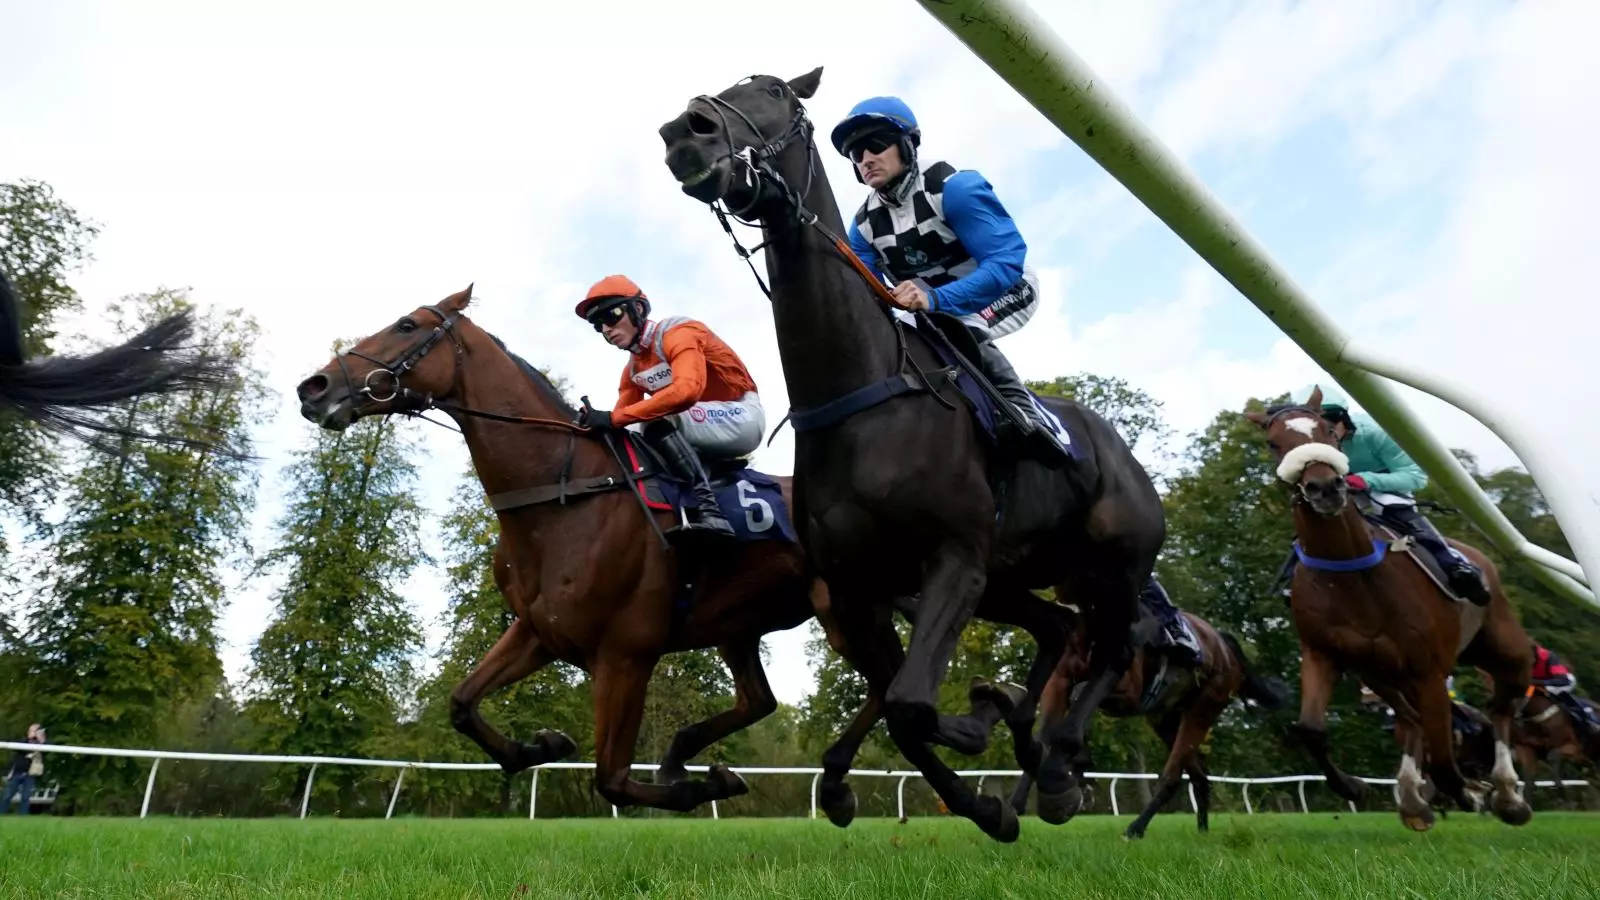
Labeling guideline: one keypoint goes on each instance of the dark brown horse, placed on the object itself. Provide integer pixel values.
(577, 560)
(1181, 702)
(897, 492)
(1545, 732)
(1362, 609)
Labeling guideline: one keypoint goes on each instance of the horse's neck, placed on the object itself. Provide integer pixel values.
(508, 455)
(833, 337)
(1344, 536)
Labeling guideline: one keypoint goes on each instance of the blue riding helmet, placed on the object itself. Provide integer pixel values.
(878, 111)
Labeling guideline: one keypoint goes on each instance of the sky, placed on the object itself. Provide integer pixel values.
(1423, 170)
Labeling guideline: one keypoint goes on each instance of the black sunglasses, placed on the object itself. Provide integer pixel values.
(607, 317)
(872, 143)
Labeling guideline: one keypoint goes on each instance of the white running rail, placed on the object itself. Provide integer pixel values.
(156, 756)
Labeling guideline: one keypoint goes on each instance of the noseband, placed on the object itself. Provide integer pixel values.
(404, 363)
(758, 161)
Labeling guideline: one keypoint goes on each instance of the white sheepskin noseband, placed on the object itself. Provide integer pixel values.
(1295, 461)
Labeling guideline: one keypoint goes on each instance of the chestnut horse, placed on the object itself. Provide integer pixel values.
(1182, 706)
(1361, 609)
(578, 561)
(1545, 731)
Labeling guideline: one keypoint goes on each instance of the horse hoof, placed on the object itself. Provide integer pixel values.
(1005, 697)
(841, 810)
(1420, 822)
(726, 783)
(555, 745)
(997, 819)
(1513, 810)
(1056, 809)
(1134, 833)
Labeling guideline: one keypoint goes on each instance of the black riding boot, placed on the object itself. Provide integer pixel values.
(705, 516)
(1178, 637)
(1033, 435)
(1464, 577)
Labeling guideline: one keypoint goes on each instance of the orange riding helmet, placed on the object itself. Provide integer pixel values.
(615, 290)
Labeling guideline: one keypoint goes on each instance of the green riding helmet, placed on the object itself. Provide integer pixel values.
(1332, 397)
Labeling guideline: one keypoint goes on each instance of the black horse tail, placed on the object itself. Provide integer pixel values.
(72, 394)
(1268, 692)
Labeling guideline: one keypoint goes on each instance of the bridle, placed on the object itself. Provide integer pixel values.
(415, 403)
(1298, 494)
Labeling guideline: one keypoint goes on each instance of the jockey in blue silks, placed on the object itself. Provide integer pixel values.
(946, 243)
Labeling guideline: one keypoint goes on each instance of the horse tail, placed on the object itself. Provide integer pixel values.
(1268, 692)
(71, 394)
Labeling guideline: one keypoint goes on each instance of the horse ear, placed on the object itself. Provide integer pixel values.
(459, 300)
(1260, 418)
(806, 85)
(1314, 402)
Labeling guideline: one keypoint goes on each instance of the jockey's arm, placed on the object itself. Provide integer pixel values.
(628, 394)
(682, 348)
(864, 250)
(981, 222)
(1404, 475)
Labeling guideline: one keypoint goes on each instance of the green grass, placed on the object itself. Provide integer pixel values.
(1243, 856)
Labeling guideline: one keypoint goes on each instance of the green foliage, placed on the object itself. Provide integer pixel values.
(42, 239)
(124, 631)
(328, 674)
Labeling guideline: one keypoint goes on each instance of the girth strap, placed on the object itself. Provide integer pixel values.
(545, 493)
(860, 399)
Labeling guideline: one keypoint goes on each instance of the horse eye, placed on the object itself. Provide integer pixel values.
(1273, 446)
(776, 91)
(406, 326)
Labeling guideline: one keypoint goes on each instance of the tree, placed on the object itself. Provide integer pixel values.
(42, 239)
(328, 675)
(124, 628)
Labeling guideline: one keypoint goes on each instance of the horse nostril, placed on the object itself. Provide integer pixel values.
(702, 124)
(312, 388)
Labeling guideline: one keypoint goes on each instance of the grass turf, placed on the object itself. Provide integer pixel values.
(1319, 855)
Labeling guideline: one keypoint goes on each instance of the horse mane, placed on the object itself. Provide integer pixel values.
(545, 386)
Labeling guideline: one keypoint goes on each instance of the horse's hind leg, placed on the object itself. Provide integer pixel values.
(1503, 650)
(619, 685)
(1506, 802)
(753, 701)
(1049, 624)
(1053, 707)
(514, 657)
(1110, 607)
(1317, 676)
(1192, 728)
(1438, 738)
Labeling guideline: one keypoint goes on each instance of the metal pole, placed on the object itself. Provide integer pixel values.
(814, 781)
(900, 797)
(714, 814)
(305, 802)
(149, 787)
(1303, 807)
(1193, 806)
(533, 795)
(1246, 793)
(1114, 810)
(398, 780)
(1022, 48)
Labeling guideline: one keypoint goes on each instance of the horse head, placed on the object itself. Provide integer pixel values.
(1308, 454)
(725, 147)
(390, 370)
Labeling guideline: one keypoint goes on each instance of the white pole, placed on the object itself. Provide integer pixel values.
(533, 794)
(1303, 807)
(149, 786)
(1247, 809)
(398, 780)
(900, 797)
(305, 802)
(1115, 811)
(1022, 48)
(714, 814)
(815, 779)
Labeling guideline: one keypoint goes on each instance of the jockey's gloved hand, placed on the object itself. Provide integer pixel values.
(1356, 482)
(596, 419)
